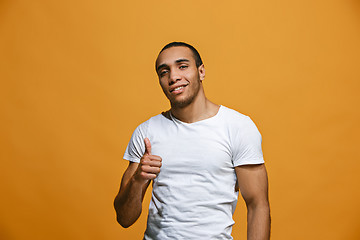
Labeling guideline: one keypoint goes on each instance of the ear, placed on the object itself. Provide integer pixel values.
(201, 70)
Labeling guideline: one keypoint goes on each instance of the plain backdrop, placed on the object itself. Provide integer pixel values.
(77, 77)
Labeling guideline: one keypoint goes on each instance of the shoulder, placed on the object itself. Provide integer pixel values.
(238, 124)
(233, 117)
(245, 138)
(153, 121)
(159, 119)
(232, 112)
(142, 131)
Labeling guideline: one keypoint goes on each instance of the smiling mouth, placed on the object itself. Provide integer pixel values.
(178, 88)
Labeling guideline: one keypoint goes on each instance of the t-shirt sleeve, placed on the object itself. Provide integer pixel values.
(136, 146)
(246, 144)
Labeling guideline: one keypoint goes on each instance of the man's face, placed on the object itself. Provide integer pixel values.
(179, 77)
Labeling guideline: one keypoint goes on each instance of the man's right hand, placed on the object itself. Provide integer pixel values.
(134, 183)
(149, 166)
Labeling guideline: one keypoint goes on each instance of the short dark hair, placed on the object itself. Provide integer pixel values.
(196, 54)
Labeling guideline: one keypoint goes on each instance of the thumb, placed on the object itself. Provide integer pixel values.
(147, 146)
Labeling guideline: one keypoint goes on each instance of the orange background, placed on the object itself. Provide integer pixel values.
(77, 77)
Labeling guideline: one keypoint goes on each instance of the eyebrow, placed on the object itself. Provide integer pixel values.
(176, 61)
(161, 66)
(182, 60)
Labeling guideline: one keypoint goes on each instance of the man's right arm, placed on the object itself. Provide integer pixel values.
(135, 181)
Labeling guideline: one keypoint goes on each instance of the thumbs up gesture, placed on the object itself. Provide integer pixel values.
(147, 146)
(149, 166)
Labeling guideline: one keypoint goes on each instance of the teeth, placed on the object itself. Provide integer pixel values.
(178, 88)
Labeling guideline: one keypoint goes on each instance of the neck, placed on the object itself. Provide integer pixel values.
(201, 108)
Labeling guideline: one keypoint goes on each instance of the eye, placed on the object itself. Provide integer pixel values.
(183, 66)
(163, 72)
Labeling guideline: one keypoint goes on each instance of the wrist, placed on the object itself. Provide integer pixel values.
(138, 181)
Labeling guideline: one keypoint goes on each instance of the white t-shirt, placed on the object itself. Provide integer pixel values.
(194, 195)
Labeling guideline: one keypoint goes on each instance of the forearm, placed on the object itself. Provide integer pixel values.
(128, 203)
(258, 218)
(135, 181)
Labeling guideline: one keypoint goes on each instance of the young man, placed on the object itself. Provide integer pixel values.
(197, 155)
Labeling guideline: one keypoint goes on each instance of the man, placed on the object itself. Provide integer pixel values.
(197, 155)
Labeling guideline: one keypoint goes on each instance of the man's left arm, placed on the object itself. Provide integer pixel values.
(253, 184)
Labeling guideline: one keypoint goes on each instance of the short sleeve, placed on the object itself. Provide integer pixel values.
(136, 146)
(246, 143)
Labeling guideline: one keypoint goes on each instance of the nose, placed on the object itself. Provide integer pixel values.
(174, 76)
